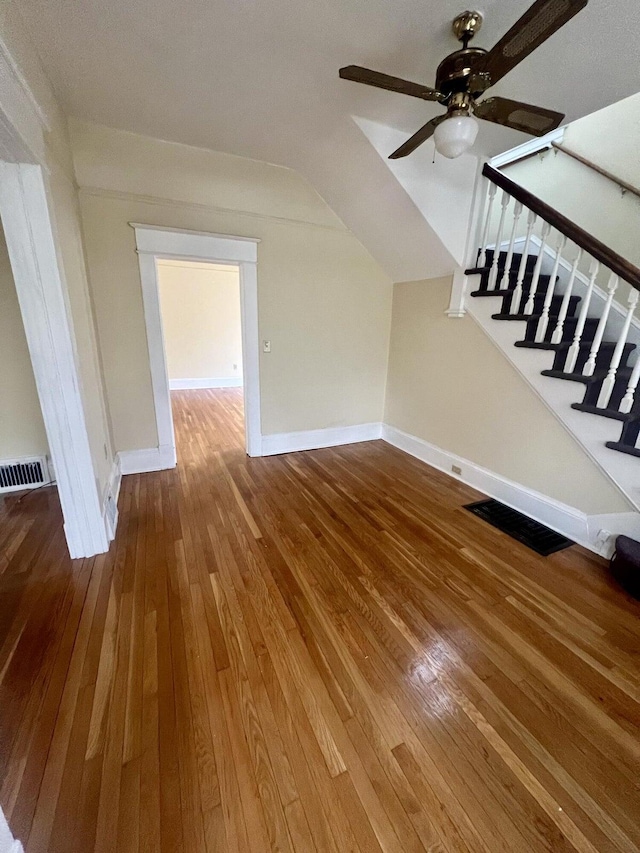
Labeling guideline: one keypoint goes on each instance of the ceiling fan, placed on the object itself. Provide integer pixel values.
(465, 75)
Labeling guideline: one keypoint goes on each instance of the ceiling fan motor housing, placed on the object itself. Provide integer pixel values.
(462, 71)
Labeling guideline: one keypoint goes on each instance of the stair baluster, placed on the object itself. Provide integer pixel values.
(627, 401)
(590, 366)
(517, 210)
(485, 231)
(574, 349)
(506, 198)
(528, 308)
(556, 337)
(517, 293)
(543, 323)
(608, 384)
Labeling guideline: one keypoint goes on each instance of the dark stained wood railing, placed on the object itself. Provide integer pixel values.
(624, 185)
(598, 250)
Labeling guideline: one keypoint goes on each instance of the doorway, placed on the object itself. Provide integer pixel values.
(157, 245)
(202, 331)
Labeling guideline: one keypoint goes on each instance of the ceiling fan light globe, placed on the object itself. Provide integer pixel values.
(455, 135)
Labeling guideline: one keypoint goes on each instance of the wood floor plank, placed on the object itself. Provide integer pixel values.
(318, 652)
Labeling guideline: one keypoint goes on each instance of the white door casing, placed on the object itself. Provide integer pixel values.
(154, 243)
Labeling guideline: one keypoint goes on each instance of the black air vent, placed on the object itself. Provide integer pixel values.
(26, 474)
(531, 533)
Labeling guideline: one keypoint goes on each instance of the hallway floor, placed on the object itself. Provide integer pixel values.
(313, 652)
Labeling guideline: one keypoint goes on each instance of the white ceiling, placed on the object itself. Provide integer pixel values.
(261, 79)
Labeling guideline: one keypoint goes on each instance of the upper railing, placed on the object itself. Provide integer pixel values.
(541, 298)
(605, 255)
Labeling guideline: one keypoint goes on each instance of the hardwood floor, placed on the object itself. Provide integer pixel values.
(313, 652)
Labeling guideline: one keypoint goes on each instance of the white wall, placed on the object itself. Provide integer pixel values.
(448, 385)
(200, 307)
(21, 426)
(324, 303)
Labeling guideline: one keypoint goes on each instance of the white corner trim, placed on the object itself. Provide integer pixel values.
(153, 243)
(314, 439)
(209, 382)
(146, 460)
(532, 146)
(570, 522)
(42, 294)
(110, 499)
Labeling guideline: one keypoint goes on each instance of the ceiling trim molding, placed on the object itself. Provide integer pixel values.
(160, 201)
(531, 146)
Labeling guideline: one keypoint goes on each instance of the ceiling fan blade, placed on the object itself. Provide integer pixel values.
(537, 24)
(418, 138)
(385, 81)
(525, 117)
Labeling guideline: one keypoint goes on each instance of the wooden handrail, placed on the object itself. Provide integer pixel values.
(598, 250)
(628, 188)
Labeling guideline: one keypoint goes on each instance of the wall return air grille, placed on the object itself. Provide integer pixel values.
(28, 473)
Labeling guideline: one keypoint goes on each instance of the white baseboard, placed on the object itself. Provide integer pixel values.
(209, 382)
(586, 530)
(289, 442)
(149, 459)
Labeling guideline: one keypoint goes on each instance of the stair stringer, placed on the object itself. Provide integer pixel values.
(589, 431)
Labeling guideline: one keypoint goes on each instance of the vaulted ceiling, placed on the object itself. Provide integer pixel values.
(260, 79)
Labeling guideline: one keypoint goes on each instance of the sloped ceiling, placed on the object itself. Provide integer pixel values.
(259, 79)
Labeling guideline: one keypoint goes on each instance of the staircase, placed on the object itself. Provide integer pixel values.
(582, 334)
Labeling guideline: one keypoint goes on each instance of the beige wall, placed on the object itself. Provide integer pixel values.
(200, 307)
(323, 302)
(21, 425)
(448, 384)
(609, 138)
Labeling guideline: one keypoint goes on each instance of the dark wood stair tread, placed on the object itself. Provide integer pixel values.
(624, 448)
(605, 346)
(613, 414)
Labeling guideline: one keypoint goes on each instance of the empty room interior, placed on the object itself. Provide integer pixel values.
(319, 427)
